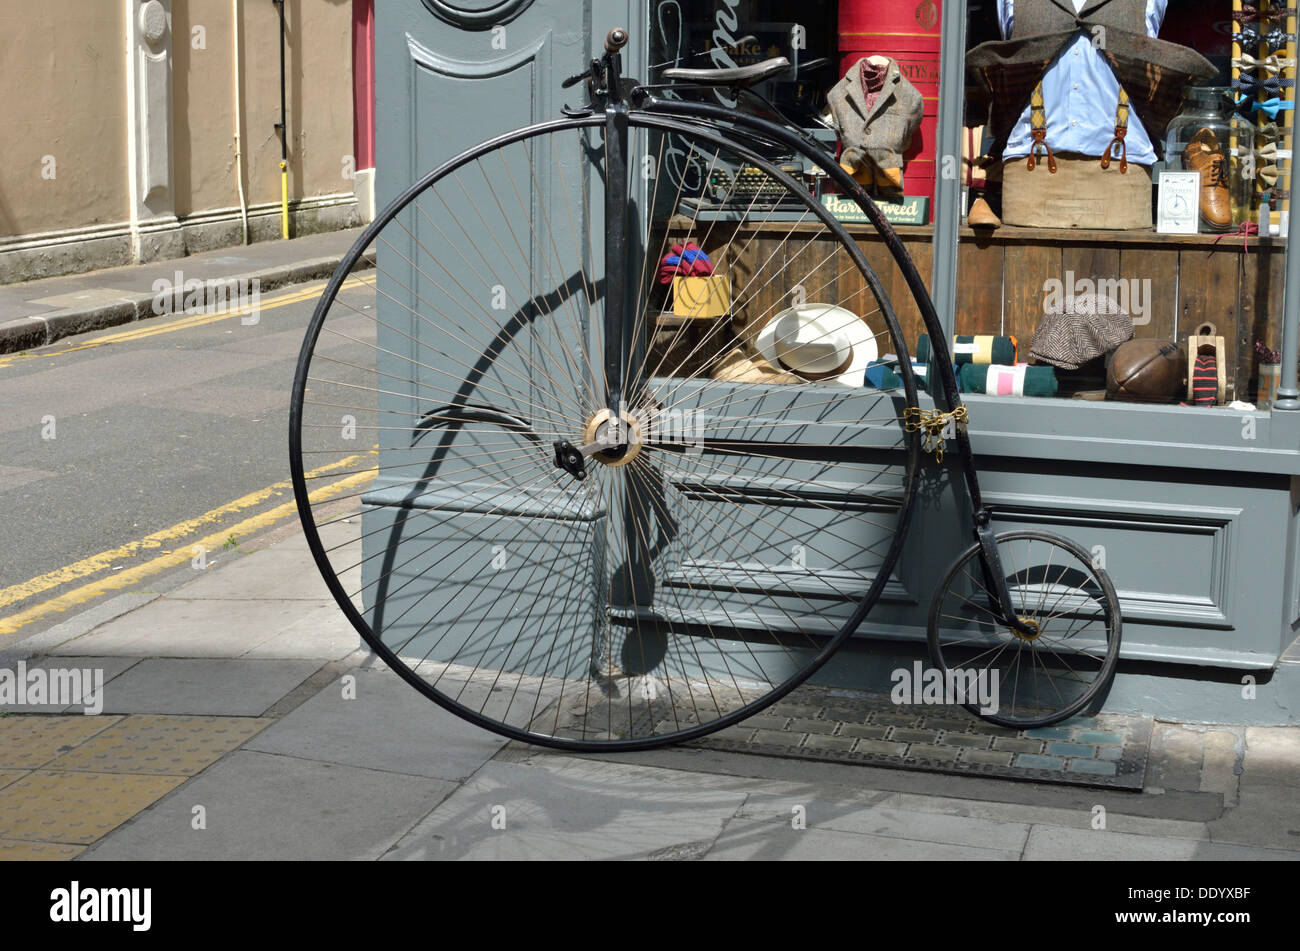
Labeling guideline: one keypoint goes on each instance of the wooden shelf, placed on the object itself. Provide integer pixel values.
(1012, 235)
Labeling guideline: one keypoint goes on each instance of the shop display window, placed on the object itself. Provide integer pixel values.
(1122, 240)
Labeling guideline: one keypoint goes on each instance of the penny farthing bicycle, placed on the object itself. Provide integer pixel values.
(571, 510)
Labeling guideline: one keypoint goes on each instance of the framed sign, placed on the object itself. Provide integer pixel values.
(912, 210)
(1179, 205)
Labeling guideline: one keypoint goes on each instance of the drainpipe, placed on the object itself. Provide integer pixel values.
(1288, 393)
(239, 157)
(283, 128)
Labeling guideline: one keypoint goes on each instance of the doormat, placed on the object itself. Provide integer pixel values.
(848, 726)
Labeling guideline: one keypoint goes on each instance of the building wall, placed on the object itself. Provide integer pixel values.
(65, 99)
(318, 95)
(67, 66)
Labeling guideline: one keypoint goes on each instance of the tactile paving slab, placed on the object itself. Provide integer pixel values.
(847, 726)
(161, 744)
(76, 808)
(12, 850)
(28, 741)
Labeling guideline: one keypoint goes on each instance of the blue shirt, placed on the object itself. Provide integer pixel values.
(1080, 92)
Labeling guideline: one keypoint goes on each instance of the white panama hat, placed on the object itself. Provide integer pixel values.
(822, 343)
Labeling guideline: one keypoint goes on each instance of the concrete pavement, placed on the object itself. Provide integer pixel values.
(241, 720)
(36, 313)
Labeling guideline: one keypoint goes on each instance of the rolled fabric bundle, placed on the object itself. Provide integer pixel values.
(883, 376)
(979, 348)
(1018, 380)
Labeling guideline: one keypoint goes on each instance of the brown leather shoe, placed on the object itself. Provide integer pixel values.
(981, 215)
(1204, 154)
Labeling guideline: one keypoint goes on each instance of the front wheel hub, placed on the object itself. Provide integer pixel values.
(1032, 629)
(622, 443)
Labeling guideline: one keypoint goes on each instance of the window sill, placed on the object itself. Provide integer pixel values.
(1135, 434)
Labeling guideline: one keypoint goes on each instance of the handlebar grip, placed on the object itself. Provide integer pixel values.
(615, 40)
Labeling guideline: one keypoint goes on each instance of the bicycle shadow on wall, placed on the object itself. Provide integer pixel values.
(438, 424)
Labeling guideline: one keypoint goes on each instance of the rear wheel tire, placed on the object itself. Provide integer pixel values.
(1049, 675)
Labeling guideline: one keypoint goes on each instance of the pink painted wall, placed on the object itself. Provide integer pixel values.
(363, 81)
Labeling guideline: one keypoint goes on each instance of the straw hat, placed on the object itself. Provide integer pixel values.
(821, 343)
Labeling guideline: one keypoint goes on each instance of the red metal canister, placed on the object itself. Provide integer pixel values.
(906, 31)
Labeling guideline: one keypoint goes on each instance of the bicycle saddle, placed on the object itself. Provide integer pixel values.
(741, 76)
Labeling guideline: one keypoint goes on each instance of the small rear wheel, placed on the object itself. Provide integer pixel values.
(1063, 661)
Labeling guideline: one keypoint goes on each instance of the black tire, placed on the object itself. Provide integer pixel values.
(538, 663)
(1054, 584)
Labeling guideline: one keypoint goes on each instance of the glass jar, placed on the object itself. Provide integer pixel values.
(1204, 138)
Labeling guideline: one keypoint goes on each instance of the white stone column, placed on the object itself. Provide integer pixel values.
(155, 232)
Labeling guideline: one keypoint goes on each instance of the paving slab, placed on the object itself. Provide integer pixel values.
(13, 850)
(205, 686)
(185, 627)
(76, 808)
(155, 744)
(87, 620)
(1054, 843)
(515, 811)
(1079, 816)
(322, 633)
(91, 668)
(259, 806)
(876, 819)
(274, 574)
(389, 726)
(1272, 755)
(28, 742)
(767, 839)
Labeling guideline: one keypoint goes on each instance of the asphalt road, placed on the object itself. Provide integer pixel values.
(105, 441)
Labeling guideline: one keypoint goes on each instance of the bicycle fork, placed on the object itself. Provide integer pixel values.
(610, 435)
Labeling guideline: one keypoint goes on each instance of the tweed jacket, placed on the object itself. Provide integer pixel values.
(883, 132)
(1153, 72)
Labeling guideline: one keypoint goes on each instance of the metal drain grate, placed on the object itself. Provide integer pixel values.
(847, 726)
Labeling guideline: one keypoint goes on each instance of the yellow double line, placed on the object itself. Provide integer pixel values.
(164, 325)
(211, 542)
(106, 560)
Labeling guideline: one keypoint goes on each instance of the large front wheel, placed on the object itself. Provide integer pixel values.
(746, 507)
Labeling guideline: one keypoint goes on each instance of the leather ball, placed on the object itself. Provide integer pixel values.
(1147, 371)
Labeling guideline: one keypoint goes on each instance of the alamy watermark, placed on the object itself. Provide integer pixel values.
(77, 903)
(189, 297)
(659, 425)
(956, 687)
(1102, 296)
(54, 686)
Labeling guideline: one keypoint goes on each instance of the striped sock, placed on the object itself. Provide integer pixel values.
(1205, 380)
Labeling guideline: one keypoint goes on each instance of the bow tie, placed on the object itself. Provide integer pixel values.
(1251, 38)
(1272, 107)
(1268, 132)
(1276, 38)
(1250, 13)
(1273, 64)
(1267, 174)
(1272, 85)
(1267, 153)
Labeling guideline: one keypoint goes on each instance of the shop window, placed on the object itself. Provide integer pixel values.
(1155, 275)
(1127, 279)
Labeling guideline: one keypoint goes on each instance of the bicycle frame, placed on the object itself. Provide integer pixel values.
(607, 94)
